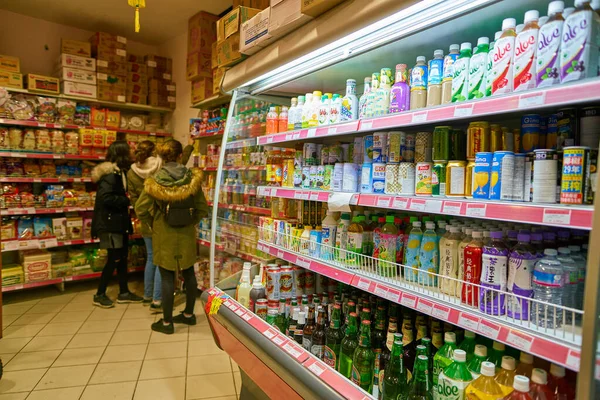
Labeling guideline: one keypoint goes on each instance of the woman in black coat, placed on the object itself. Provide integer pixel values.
(111, 222)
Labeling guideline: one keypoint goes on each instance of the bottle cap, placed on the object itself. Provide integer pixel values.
(317, 93)
(367, 79)
(550, 252)
(539, 376)
(477, 234)
(521, 384)
(397, 336)
(523, 237)
(488, 368)
(480, 350)
(468, 231)
(460, 355)
(350, 81)
(417, 224)
(442, 224)
(574, 248)
(421, 59)
(531, 15)
(438, 53)
(537, 236)
(497, 35)
(465, 46)
(449, 337)
(430, 225)
(580, 2)
(557, 370)
(509, 23)
(526, 358)
(496, 234)
(470, 335)
(454, 47)
(556, 7)
(498, 346)
(256, 283)
(483, 40)
(564, 250)
(508, 363)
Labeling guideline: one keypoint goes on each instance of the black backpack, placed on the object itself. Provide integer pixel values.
(181, 213)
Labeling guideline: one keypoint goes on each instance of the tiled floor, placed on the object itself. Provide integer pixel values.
(59, 346)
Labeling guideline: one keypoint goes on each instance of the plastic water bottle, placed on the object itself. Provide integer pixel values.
(548, 277)
(581, 263)
(571, 280)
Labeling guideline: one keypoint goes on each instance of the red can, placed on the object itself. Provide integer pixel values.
(472, 275)
(273, 278)
(298, 289)
(309, 283)
(260, 308)
(286, 282)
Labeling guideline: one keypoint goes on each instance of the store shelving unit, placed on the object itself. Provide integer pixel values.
(35, 124)
(32, 210)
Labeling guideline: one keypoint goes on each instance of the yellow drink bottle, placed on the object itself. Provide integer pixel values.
(485, 387)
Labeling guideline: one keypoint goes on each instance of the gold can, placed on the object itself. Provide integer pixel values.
(469, 179)
(495, 138)
(517, 140)
(478, 138)
(455, 178)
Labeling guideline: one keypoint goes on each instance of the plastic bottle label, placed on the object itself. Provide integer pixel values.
(548, 279)
(387, 247)
(576, 56)
(449, 66)
(477, 72)
(549, 38)
(436, 69)
(363, 380)
(460, 88)
(418, 78)
(524, 65)
(450, 389)
(306, 343)
(502, 71)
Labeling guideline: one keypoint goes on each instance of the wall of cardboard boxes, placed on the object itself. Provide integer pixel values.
(214, 43)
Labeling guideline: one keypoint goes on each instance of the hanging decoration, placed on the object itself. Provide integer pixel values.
(137, 4)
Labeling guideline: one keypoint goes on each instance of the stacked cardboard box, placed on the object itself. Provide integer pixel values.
(137, 81)
(202, 36)
(161, 88)
(76, 69)
(111, 58)
(10, 72)
(228, 35)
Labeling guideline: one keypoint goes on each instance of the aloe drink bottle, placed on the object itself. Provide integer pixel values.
(372, 96)
(488, 66)
(484, 387)
(548, 46)
(307, 109)
(525, 50)
(460, 78)
(479, 357)
(429, 256)
(387, 248)
(468, 344)
(455, 378)
(506, 375)
(412, 252)
(478, 69)
(502, 66)
(496, 355)
(443, 357)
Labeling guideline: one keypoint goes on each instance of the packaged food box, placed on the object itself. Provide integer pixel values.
(75, 224)
(314, 8)
(137, 98)
(103, 39)
(137, 88)
(255, 33)
(160, 63)
(154, 73)
(198, 66)
(231, 23)
(109, 54)
(86, 139)
(75, 47)
(43, 84)
(11, 79)
(12, 274)
(62, 270)
(35, 260)
(160, 86)
(38, 276)
(111, 92)
(70, 60)
(286, 17)
(119, 81)
(135, 58)
(214, 60)
(138, 68)
(159, 100)
(76, 75)
(109, 137)
(134, 77)
(10, 63)
(201, 89)
(98, 119)
(202, 31)
(112, 67)
(228, 51)
(59, 227)
(79, 89)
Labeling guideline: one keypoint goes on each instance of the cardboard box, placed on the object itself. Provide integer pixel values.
(76, 47)
(218, 74)
(10, 63)
(134, 77)
(137, 88)
(255, 33)
(243, 3)
(154, 73)
(139, 68)
(108, 40)
(116, 81)
(201, 31)
(314, 8)
(231, 23)
(112, 67)
(159, 63)
(43, 84)
(228, 51)
(214, 60)
(158, 100)
(110, 54)
(11, 79)
(111, 92)
(201, 89)
(198, 66)
(136, 98)
(69, 60)
(160, 86)
(286, 17)
(76, 75)
(133, 58)
(78, 89)
(259, 4)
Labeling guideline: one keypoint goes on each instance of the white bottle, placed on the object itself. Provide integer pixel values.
(478, 70)
(307, 109)
(298, 113)
(243, 293)
(349, 110)
(504, 50)
(525, 49)
(314, 109)
(292, 114)
(549, 39)
(324, 109)
(489, 65)
(328, 231)
(305, 240)
(460, 78)
(341, 235)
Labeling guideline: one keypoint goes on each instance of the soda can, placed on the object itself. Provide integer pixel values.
(478, 138)
(516, 140)
(379, 147)
(309, 283)
(395, 142)
(357, 154)
(495, 138)
(366, 178)
(310, 153)
(408, 153)
(438, 179)
(552, 132)
(338, 177)
(530, 133)
(273, 278)
(368, 149)
(312, 176)
(423, 145)
(455, 178)
(575, 187)
(503, 169)
(260, 308)
(543, 132)
(320, 177)
(306, 177)
(508, 140)
(519, 177)
(286, 282)
(406, 178)
(378, 177)
(288, 173)
(528, 179)
(441, 143)
(327, 176)
(391, 178)
(469, 181)
(458, 145)
(545, 175)
(589, 127)
(423, 172)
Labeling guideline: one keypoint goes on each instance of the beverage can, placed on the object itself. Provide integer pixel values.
(408, 153)
(350, 178)
(338, 177)
(260, 308)
(519, 177)
(368, 148)
(310, 153)
(545, 175)
(298, 285)
(589, 127)
(469, 179)
(503, 168)
(286, 282)
(406, 178)
(458, 145)
(530, 132)
(273, 278)
(575, 180)
(378, 177)
(395, 142)
(566, 126)
(455, 178)
(508, 140)
(379, 147)
(438, 179)
(327, 176)
(366, 179)
(441, 143)
(552, 132)
(391, 178)
(423, 175)
(478, 138)
(423, 142)
(495, 138)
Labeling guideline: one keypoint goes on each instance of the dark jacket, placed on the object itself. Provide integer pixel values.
(174, 248)
(111, 209)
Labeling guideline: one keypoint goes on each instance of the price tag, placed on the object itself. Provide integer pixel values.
(239, 312)
(468, 321)
(167, 77)
(288, 137)
(441, 312)
(37, 180)
(489, 329)
(278, 340)
(424, 306)
(269, 139)
(557, 216)
(57, 156)
(408, 300)
(400, 203)
(434, 206)
(103, 63)
(366, 125)
(383, 202)
(476, 210)
(68, 278)
(151, 64)
(532, 99)
(451, 208)
(42, 125)
(463, 111)
(332, 131)
(419, 117)
(171, 99)
(364, 285)
(15, 154)
(246, 317)
(519, 340)
(296, 136)
(381, 291)
(314, 196)
(292, 350)
(102, 77)
(393, 295)
(311, 132)
(269, 333)
(301, 195)
(122, 39)
(121, 53)
(280, 254)
(418, 205)
(301, 262)
(573, 359)
(46, 243)
(170, 88)
(10, 245)
(316, 369)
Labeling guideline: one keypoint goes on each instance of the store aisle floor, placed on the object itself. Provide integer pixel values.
(59, 346)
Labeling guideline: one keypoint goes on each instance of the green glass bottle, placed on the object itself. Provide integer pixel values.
(280, 321)
(443, 357)
(394, 382)
(468, 344)
(453, 381)
(333, 339)
(479, 356)
(420, 387)
(427, 343)
(349, 344)
(378, 339)
(363, 361)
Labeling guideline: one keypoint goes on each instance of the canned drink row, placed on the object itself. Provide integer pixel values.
(286, 282)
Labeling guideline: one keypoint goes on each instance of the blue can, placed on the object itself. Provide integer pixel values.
(530, 133)
(502, 175)
(481, 175)
(368, 149)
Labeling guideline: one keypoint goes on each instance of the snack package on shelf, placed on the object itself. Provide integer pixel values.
(12, 274)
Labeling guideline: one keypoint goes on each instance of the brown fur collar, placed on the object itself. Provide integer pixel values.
(102, 169)
(174, 193)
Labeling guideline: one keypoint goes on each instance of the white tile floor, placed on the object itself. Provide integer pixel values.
(59, 346)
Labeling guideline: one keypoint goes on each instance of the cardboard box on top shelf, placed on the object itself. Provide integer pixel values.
(111, 54)
(259, 4)
(161, 87)
(198, 66)
(255, 33)
(154, 73)
(137, 88)
(160, 63)
(71, 61)
(136, 98)
(134, 77)
(10, 63)
(218, 74)
(231, 23)
(112, 67)
(78, 89)
(139, 68)
(111, 92)
(103, 39)
(201, 89)
(117, 81)
(286, 16)
(43, 84)
(228, 51)
(134, 58)
(76, 47)
(214, 59)
(11, 79)
(314, 8)
(159, 100)
(76, 75)
(202, 32)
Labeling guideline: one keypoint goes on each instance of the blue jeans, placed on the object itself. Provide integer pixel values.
(152, 281)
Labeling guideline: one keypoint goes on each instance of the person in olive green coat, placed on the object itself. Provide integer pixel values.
(174, 247)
